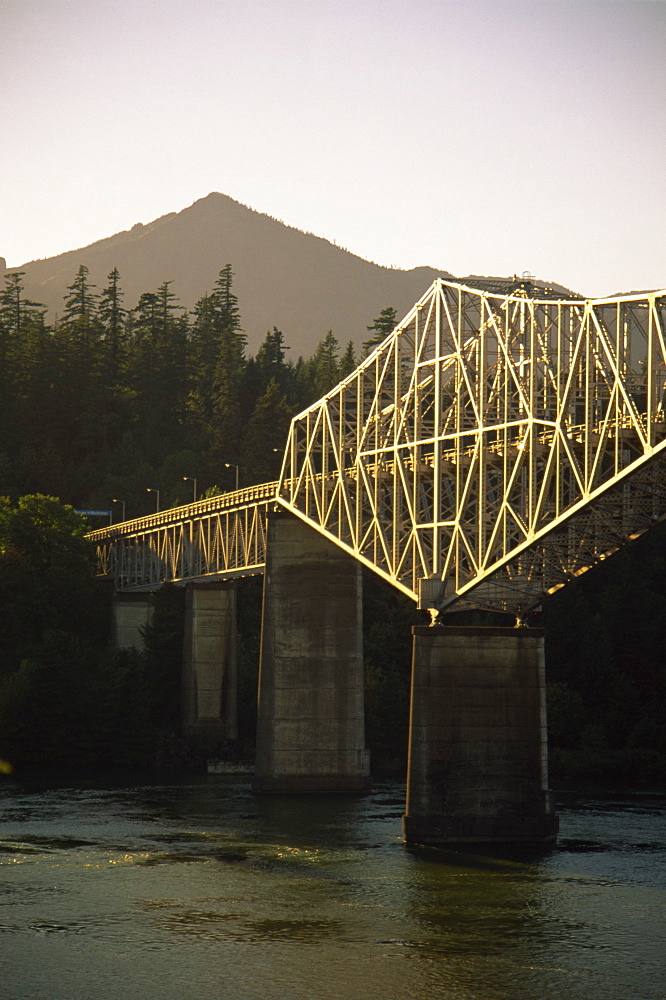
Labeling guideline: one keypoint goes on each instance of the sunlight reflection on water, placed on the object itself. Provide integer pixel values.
(199, 888)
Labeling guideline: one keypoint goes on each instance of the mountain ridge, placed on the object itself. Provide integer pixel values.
(284, 277)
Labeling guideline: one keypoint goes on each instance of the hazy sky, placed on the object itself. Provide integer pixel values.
(484, 136)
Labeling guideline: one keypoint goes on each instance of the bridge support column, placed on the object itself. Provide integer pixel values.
(209, 660)
(477, 770)
(310, 722)
(131, 613)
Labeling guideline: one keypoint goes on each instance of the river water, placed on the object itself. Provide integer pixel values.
(194, 887)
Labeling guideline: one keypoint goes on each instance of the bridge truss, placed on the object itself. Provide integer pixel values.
(218, 538)
(494, 446)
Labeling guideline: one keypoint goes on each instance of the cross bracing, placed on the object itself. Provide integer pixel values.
(218, 538)
(493, 447)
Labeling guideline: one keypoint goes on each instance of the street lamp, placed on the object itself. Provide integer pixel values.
(123, 503)
(148, 490)
(230, 465)
(189, 479)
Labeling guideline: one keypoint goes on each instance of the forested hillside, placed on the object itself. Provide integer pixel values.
(302, 283)
(105, 404)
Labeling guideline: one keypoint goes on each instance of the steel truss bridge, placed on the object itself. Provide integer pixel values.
(494, 446)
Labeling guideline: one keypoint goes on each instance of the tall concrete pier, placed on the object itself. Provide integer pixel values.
(477, 770)
(209, 660)
(310, 720)
(131, 614)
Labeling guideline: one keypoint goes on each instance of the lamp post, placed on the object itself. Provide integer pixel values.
(123, 503)
(149, 490)
(230, 465)
(189, 479)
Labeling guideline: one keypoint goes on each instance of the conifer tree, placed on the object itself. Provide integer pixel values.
(145, 318)
(226, 415)
(269, 363)
(270, 356)
(226, 303)
(218, 354)
(80, 361)
(204, 353)
(266, 434)
(381, 327)
(113, 317)
(15, 309)
(348, 361)
(81, 304)
(324, 367)
(159, 369)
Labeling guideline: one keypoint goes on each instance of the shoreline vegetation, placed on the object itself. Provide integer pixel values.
(107, 404)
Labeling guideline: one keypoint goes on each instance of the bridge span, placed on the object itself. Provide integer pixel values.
(497, 444)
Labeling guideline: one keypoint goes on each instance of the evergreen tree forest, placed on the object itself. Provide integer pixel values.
(107, 405)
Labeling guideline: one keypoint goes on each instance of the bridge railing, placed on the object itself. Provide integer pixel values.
(200, 508)
(222, 543)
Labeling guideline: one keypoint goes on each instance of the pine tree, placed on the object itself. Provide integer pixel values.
(218, 354)
(270, 356)
(226, 303)
(26, 388)
(113, 317)
(204, 349)
(348, 361)
(145, 318)
(325, 369)
(266, 435)
(227, 376)
(268, 364)
(159, 367)
(81, 303)
(80, 366)
(15, 310)
(381, 327)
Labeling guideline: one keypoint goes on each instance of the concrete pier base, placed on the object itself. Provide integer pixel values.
(310, 721)
(477, 771)
(209, 661)
(131, 613)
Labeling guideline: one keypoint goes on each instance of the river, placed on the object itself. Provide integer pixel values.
(194, 887)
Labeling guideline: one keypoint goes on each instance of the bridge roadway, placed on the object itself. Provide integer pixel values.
(493, 447)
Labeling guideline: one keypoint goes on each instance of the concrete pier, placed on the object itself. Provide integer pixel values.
(131, 613)
(310, 719)
(209, 660)
(477, 771)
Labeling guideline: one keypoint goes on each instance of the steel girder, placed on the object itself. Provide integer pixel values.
(219, 538)
(493, 447)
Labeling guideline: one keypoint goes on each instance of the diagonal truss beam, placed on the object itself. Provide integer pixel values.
(491, 448)
(490, 427)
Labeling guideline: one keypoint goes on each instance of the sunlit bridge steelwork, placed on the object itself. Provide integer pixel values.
(497, 444)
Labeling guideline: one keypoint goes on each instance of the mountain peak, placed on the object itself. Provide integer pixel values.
(299, 282)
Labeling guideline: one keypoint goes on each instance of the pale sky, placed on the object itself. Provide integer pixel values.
(482, 136)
